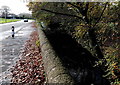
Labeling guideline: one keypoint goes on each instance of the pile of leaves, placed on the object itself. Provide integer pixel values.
(29, 69)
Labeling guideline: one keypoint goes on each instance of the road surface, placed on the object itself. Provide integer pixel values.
(5, 29)
(10, 48)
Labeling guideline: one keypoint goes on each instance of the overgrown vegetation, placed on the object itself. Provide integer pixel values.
(94, 25)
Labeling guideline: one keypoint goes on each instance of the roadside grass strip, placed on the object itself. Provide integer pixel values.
(2, 20)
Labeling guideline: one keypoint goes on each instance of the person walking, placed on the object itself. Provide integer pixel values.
(13, 31)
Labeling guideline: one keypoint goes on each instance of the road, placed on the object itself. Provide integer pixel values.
(10, 48)
(5, 29)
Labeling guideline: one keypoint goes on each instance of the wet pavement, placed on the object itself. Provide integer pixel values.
(10, 50)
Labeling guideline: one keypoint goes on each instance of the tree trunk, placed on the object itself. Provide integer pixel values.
(95, 44)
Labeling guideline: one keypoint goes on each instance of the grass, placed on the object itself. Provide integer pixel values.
(2, 20)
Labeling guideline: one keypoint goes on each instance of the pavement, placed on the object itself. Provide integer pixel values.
(10, 51)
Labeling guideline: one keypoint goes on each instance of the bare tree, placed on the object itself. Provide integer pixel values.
(5, 11)
(0, 13)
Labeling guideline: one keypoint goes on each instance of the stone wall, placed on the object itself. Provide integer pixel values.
(55, 71)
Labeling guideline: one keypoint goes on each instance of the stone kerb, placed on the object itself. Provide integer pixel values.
(55, 71)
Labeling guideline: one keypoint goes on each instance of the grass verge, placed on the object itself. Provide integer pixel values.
(2, 20)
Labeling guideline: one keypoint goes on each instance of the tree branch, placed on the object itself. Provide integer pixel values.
(85, 11)
(100, 15)
(62, 14)
(80, 10)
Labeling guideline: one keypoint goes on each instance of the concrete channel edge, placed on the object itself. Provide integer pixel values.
(55, 71)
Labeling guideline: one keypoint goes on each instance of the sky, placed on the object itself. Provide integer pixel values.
(16, 6)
